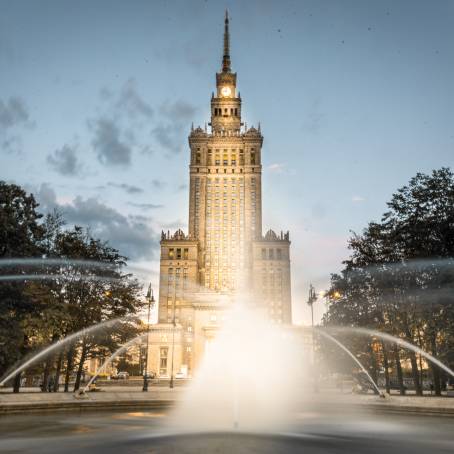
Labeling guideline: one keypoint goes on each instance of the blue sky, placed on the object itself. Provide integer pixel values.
(97, 100)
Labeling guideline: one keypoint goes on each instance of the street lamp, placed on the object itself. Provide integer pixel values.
(150, 299)
(311, 300)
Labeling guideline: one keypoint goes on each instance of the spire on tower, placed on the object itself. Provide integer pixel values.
(226, 55)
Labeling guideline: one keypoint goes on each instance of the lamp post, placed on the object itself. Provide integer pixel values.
(150, 299)
(310, 301)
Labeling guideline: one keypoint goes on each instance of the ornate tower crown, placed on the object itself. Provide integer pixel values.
(226, 104)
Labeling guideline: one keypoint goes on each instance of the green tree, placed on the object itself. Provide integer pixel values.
(400, 274)
(20, 237)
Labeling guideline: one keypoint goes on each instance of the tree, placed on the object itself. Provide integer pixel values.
(20, 236)
(400, 275)
(85, 286)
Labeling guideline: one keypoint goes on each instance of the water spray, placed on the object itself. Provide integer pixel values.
(111, 358)
(346, 350)
(61, 343)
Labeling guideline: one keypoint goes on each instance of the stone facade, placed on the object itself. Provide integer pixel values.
(224, 253)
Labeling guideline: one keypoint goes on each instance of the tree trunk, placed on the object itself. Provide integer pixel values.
(83, 356)
(415, 373)
(436, 380)
(69, 367)
(373, 368)
(47, 367)
(435, 370)
(421, 346)
(386, 367)
(414, 365)
(16, 382)
(46, 375)
(57, 372)
(400, 377)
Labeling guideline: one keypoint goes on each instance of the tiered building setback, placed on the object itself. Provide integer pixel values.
(224, 254)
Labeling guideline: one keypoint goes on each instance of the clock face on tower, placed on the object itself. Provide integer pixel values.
(226, 91)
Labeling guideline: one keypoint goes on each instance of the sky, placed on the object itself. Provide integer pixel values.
(97, 99)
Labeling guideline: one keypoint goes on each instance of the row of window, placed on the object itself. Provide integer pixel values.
(271, 254)
(176, 253)
(253, 170)
(226, 158)
(218, 112)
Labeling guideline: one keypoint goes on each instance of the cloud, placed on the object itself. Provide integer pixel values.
(110, 148)
(106, 94)
(277, 167)
(130, 102)
(145, 206)
(131, 235)
(13, 116)
(129, 188)
(128, 120)
(182, 187)
(158, 184)
(65, 161)
(168, 136)
(117, 131)
(175, 118)
(195, 50)
(178, 111)
(12, 144)
(358, 199)
(13, 112)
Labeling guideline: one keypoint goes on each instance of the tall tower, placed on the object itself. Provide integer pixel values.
(224, 251)
(225, 201)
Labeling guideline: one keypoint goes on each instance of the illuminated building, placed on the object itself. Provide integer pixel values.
(224, 251)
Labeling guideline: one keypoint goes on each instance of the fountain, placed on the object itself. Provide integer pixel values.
(109, 360)
(256, 378)
(355, 359)
(397, 340)
(59, 344)
(253, 391)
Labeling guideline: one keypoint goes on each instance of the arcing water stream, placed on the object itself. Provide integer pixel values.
(397, 340)
(355, 359)
(61, 343)
(112, 357)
